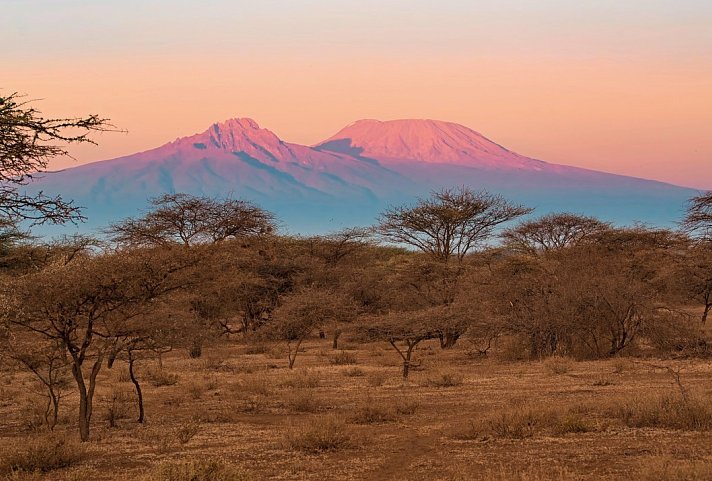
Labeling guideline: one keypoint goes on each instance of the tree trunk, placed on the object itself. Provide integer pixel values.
(705, 313)
(86, 394)
(293, 358)
(196, 349)
(139, 394)
(449, 340)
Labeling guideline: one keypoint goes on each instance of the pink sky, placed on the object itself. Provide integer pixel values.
(607, 87)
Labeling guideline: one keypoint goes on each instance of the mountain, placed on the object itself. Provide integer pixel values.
(352, 176)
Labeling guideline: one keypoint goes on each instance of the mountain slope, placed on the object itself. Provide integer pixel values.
(352, 176)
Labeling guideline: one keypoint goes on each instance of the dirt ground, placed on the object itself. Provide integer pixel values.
(460, 416)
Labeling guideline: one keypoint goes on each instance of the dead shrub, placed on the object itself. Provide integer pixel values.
(602, 381)
(123, 375)
(622, 364)
(196, 389)
(558, 365)
(672, 412)
(304, 401)
(372, 412)
(354, 372)
(671, 469)
(255, 384)
(160, 377)
(343, 358)
(257, 348)
(255, 404)
(42, 454)
(187, 431)
(118, 406)
(519, 422)
(196, 470)
(322, 434)
(443, 379)
(303, 379)
(376, 379)
(572, 423)
(215, 363)
(406, 407)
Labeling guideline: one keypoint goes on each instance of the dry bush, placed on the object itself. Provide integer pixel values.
(158, 377)
(602, 381)
(302, 379)
(558, 365)
(373, 412)
(406, 406)
(256, 384)
(443, 378)
(519, 422)
(118, 406)
(43, 454)
(187, 431)
(622, 364)
(277, 351)
(196, 470)
(671, 412)
(322, 434)
(671, 469)
(512, 349)
(33, 411)
(123, 375)
(255, 404)
(354, 372)
(257, 348)
(304, 401)
(215, 363)
(376, 379)
(343, 358)
(546, 471)
(572, 423)
(196, 389)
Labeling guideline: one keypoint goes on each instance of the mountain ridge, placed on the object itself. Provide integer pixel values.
(350, 177)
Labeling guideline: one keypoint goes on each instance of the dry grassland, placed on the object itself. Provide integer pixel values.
(238, 413)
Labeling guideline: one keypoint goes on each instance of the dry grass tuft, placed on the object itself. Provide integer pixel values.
(42, 454)
(354, 372)
(322, 434)
(443, 379)
(671, 412)
(302, 379)
(196, 470)
(373, 412)
(343, 359)
(376, 379)
(304, 401)
(187, 431)
(671, 469)
(118, 406)
(558, 365)
(160, 377)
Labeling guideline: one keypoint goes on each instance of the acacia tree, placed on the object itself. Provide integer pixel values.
(91, 303)
(691, 276)
(46, 361)
(552, 231)
(191, 220)
(305, 310)
(450, 223)
(27, 143)
(698, 219)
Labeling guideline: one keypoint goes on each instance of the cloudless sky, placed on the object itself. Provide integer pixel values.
(620, 86)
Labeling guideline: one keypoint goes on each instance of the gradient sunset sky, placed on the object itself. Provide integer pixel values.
(618, 86)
